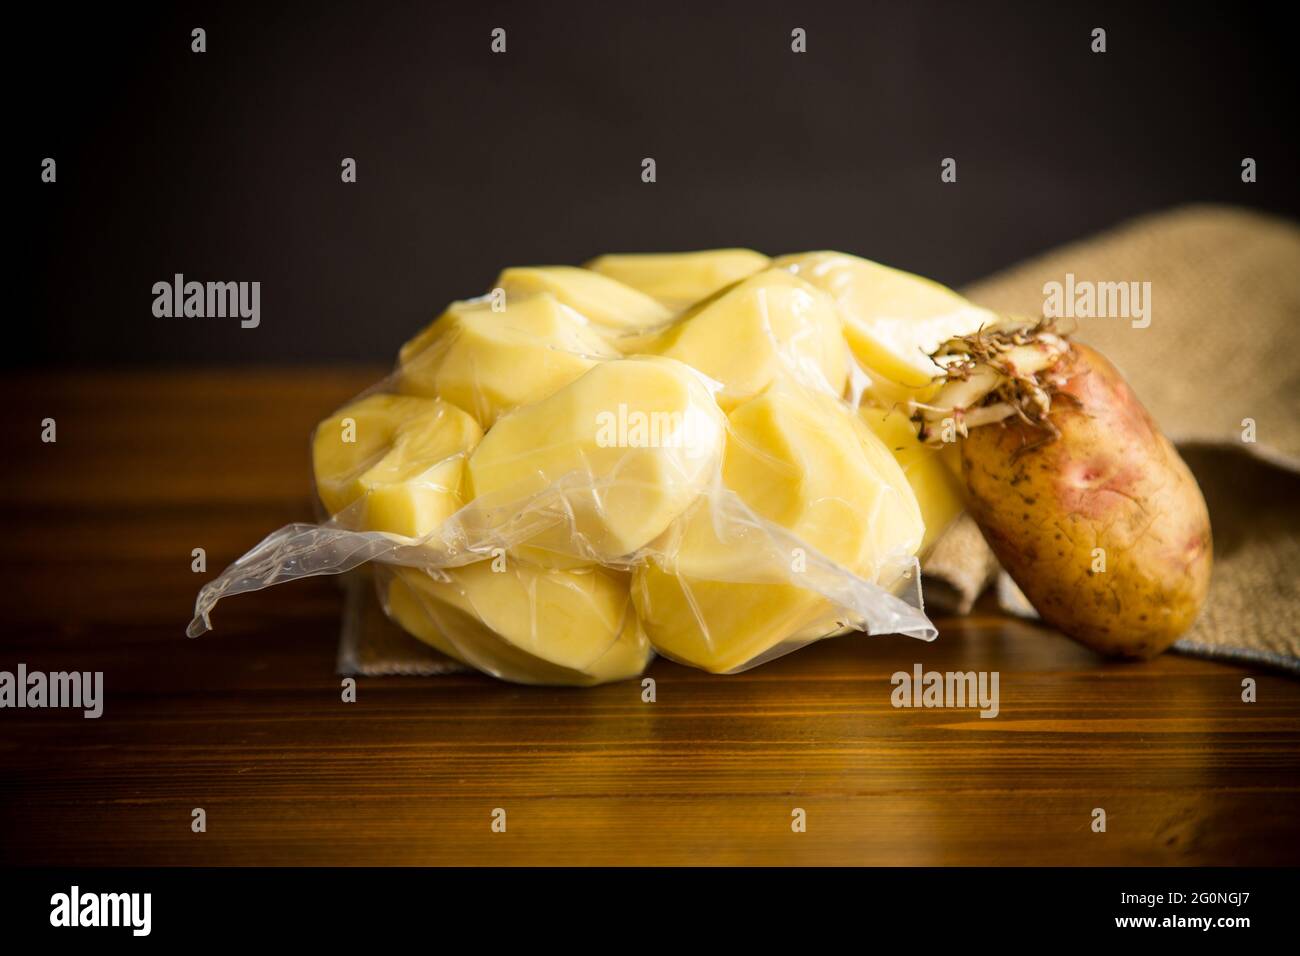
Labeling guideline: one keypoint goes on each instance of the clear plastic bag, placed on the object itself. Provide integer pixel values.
(552, 497)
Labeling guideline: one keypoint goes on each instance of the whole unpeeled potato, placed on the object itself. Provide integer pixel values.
(1102, 526)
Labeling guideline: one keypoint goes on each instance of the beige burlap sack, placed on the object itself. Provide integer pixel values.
(1222, 346)
(1216, 359)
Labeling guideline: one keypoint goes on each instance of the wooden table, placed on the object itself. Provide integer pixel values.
(247, 722)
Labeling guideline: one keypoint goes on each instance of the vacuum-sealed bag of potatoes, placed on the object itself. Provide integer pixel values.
(702, 455)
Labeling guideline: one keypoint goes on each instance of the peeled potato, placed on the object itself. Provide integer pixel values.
(488, 362)
(617, 454)
(937, 487)
(524, 623)
(1102, 526)
(893, 320)
(720, 597)
(610, 306)
(768, 326)
(402, 457)
(680, 279)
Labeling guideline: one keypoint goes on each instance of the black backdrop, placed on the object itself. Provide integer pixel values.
(225, 165)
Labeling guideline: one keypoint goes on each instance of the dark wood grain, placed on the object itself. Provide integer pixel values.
(247, 721)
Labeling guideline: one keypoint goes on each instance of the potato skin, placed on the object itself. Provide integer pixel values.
(1111, 480)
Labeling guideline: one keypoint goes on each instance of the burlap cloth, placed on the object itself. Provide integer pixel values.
(1223, 345)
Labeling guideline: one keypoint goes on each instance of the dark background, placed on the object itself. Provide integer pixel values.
(225, 165)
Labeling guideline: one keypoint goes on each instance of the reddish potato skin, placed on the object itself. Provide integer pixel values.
(1112, 481)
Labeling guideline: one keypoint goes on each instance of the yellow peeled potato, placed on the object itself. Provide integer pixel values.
(937, 487)
(680, 279)
(893, 320)
(769, 326)
(488, 362)
(611, 307)
(720, 597)
(400, 457)
(524, 623)
(616, 455)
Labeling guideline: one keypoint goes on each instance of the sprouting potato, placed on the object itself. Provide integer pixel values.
(1084, 501)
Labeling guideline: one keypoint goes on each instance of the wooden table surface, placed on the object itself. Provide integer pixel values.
(247, 721)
